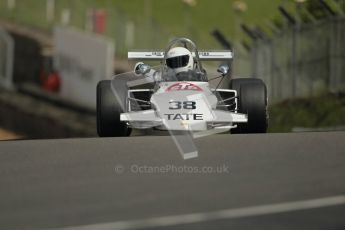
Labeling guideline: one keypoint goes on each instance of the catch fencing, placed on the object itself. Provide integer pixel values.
(303, 60)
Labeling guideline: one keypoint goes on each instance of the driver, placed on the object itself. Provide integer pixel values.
(180, 66)
(179, 60)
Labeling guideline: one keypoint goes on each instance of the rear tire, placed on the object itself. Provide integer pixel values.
(108, 113)
(252, 100)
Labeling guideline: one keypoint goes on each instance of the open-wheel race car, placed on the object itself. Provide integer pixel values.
(177, 95)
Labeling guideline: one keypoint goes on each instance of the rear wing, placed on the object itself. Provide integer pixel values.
(216, 55)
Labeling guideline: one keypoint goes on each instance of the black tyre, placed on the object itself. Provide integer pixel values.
(236, 83)
(252, 100)
(108, 113)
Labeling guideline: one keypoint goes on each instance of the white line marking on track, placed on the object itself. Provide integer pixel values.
(214, 215)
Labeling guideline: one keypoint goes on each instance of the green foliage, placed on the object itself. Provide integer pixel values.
(152, 18)
(324, 111)
(316, 9)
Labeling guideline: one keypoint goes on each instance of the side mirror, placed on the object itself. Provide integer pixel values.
(223, 69)
(142, 68)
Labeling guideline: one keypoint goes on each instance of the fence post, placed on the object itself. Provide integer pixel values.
(11, 4)
(255, 58)
(272, 80)
(294, 59)
(50, 10)
(6, 74)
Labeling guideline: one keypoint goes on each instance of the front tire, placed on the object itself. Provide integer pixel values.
(108, 113)
(252, 100)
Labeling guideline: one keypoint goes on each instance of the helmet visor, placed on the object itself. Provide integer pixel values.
(177, 62)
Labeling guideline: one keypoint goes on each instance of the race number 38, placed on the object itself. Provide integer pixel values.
(182, 105)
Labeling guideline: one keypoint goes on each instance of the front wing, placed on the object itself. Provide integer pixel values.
(150, 118)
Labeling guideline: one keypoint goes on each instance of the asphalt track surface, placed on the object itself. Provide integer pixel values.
(272, 181)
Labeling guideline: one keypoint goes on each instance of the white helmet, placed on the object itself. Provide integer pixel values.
(179, 59)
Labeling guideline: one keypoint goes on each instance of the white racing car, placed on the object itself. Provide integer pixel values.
(177, 96)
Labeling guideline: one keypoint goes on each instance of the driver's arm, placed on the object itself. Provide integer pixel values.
(152, 74)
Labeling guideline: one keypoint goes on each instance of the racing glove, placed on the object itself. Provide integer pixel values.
(137, 67)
